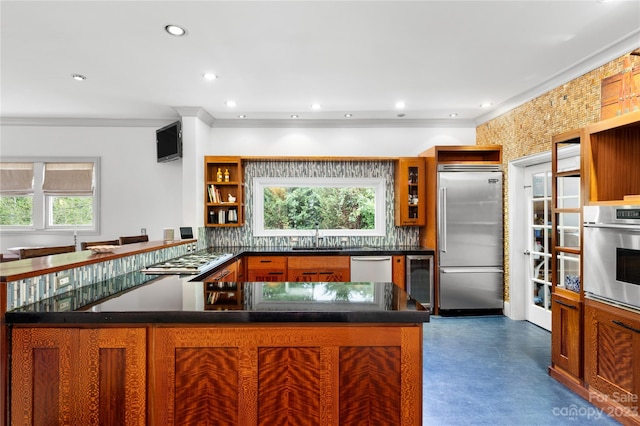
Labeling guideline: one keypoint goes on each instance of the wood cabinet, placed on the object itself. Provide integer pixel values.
(223, 191)
(410, 192)
(222, 374)
(267, 268)
(566, 257)
(288, 374)
(566, 339)
(611, 155)
(595, 346)
(222, 289)
(318, 269)
(71, 376)
(620, 93)
(612, 362)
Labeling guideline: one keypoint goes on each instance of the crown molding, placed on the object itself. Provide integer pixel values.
(607, 54)
(84, 122)
(341, 123)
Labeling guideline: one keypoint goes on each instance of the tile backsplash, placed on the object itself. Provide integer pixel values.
(243, 236)
(34, 289)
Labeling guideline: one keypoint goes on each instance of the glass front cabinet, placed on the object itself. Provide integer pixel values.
(566, 243)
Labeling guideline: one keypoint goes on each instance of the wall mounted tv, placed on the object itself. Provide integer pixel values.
(169, 142)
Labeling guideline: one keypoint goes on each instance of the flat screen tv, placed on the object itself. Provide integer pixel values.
(169, 142)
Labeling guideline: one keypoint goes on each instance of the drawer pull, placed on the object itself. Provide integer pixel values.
(221, 275)
(559, 302)
(623, 325)
(265, 261)
(275, 273)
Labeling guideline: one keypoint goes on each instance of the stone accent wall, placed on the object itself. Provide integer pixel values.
(528, 129)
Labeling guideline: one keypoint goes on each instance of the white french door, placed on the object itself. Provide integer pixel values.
(538, 244)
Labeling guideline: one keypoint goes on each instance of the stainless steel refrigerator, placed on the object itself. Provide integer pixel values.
(470, 237)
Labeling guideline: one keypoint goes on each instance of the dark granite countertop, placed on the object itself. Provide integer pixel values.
(326, 250)
(137, 298)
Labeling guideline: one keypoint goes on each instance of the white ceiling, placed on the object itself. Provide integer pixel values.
(277, 58)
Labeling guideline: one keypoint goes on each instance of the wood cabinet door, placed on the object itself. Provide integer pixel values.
(287, 375)
(227, 274)
(302, 275)
(267, 268)
(566, 347)
(267, 275)
(334, 275)
(318, 269)
(410, 192)
(612, 363)
(70, 376)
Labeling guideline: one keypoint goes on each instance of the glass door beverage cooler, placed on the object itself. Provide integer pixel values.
(419, 278)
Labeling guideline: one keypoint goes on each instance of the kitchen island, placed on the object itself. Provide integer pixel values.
(146, 351)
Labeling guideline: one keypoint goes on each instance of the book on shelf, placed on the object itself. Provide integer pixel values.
(214, 194)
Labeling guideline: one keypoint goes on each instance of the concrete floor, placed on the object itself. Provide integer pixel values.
(490, 370)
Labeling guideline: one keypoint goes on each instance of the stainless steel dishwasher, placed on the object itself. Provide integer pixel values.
(371, 269)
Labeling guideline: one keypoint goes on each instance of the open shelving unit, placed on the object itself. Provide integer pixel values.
(223, 191)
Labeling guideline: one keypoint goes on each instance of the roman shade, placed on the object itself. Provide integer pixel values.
(68, 179)
(16, 178)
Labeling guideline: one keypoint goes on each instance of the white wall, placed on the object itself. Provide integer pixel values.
(138, 192)
(363, 142)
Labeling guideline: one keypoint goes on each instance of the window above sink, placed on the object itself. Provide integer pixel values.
(341, 207)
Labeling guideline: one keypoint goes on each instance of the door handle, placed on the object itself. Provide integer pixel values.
(443, 220)
(623, 325)
(559, 302)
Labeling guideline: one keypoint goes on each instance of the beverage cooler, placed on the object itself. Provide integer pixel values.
(419, 278)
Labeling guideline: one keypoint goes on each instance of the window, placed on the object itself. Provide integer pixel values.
(49, 195)
(340, 207)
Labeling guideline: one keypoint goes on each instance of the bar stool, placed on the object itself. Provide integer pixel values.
(27, 253)
(134, 239)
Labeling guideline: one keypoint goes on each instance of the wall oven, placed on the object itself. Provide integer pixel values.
(611, 267)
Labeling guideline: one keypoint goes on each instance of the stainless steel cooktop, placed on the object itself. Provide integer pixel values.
(189, 264)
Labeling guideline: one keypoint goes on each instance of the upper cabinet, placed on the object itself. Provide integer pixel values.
(611, 154)
(410, 192)
(566, 256)
(620, 93)
(566, 219)
(223, 191)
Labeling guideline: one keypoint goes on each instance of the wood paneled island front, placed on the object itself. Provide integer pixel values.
(294, 353)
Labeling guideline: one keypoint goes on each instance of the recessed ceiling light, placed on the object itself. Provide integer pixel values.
(486, 105)
(209, 76)
(230, 104)
(453, 114)
(78, 77)
(294, 115)
(400, 105)
(242, 116)
(315, 107)
(348, 115)
(175, 30)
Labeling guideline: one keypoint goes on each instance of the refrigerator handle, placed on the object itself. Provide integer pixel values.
(442, 238)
